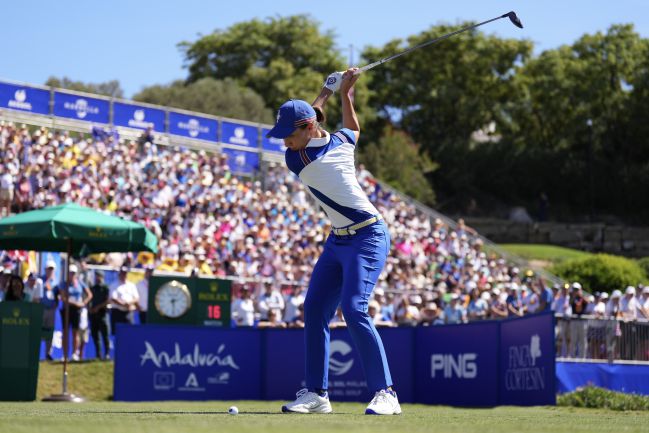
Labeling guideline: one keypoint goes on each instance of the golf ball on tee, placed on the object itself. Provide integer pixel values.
(233, 410)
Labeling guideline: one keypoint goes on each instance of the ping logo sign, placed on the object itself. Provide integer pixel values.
(447, 365)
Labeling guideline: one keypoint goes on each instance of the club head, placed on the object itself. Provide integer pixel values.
(514, 19)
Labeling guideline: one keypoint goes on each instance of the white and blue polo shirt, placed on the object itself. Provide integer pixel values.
(326, 168)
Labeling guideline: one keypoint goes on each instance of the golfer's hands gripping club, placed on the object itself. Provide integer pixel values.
(333, 81)
(350, 76)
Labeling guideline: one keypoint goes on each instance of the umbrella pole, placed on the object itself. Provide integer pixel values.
(66, 320)
(64, 396)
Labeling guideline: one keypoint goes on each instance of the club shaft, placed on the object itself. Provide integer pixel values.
(424, 44)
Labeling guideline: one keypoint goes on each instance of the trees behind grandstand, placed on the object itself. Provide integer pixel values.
(207, 95)
(507, 126)
(110, 88)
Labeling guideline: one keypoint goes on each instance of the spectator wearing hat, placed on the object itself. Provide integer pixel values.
(143, 293)
(613, 328)
(629, 327)
(578, 326)
(515, 305)
(123, 300)
(478, 307)
(643, 304)
(561, 307)
(243, 308)
(33, 288)
(406, 314)
(50, 302)
(270, 299)
(544, 293)
(454, 312)
(77, 295)
(643, 313)
(293, 302)
(374, 311)
(597, 326)
(98, 315)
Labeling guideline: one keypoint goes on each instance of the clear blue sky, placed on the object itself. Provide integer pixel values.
(135, 41)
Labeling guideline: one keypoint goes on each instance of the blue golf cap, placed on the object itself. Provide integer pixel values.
(292, 114)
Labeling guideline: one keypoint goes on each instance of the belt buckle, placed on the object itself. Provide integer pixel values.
(351, 232)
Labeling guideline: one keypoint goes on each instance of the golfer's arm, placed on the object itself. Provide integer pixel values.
(350, 120)
(322, 98)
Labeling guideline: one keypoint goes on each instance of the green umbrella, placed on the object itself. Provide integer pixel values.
(85, 230)
(78, 231)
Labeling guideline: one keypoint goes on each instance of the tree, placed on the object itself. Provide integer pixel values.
(207, 95)
(109, 88)
(577, 111)
(279, 58)
(444, 93)
(397, 160)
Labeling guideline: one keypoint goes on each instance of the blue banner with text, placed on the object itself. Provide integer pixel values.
(239, 134)
(138, 116)
(24, 98)
(477, 364)
(79, 107)
(527, 361)
(189, 126)
(158, 362)
(454, 367)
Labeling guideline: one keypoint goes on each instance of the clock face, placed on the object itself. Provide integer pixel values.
(173, 299)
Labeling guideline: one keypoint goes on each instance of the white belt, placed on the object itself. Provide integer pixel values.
(351, 230)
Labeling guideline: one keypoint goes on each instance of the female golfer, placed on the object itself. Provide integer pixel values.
(354, 253)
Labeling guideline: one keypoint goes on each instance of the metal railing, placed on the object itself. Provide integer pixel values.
(591, 338)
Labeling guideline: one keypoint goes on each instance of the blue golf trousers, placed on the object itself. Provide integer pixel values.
(346, 274)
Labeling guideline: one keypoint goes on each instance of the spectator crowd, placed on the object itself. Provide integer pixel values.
(265, 235)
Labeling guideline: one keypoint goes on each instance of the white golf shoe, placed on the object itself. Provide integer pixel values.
(384, 403)
(308, 402)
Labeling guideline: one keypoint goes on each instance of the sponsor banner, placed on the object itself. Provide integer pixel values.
(159, 362)
(239, 134)
(284, 374)
(79, 107)
(138, 116)
(197, 127)
(527, 361)
(271, 144)
(24, 98)
(454, 367)
(241, 161)
(616, 377)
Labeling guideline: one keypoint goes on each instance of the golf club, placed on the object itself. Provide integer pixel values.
(511, 15)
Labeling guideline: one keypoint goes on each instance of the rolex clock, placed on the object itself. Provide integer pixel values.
(173, 299)
(182, 300)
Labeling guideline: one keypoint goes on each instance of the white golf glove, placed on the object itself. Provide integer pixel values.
(333, 81)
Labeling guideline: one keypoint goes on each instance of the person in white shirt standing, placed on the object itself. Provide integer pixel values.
(271, 299)
(629, 327)
(143, 293)
(243, 309)
(6, 190)
(123, 300)
(561, 306)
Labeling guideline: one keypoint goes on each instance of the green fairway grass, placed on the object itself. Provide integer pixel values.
(547, 253)
(262, 417)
